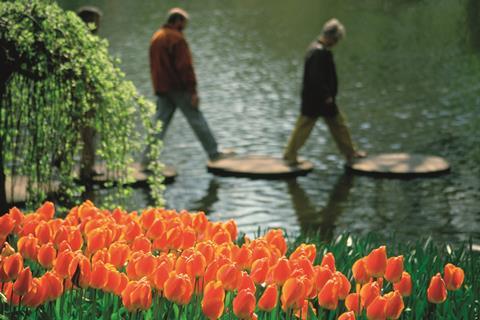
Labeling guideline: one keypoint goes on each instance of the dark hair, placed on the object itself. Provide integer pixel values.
(176, 16)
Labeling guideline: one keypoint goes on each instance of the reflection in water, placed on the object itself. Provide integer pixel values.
(206, 202)
(323, 220)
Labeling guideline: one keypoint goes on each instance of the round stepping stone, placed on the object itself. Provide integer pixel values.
(400, 165)
(258, 166)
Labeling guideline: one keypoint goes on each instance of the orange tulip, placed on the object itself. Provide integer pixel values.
(53, 286)
(46, 211)
(229, 274)
(275, 238)
(394, 270)
(114, 279)
(437, 291)
(244, 304)
(148, 218)
(368, 293)
(28, 247)
(404, 286)
(188, 238)
(344, 285)
(196, 265)
(12, 298)
(352, 303)
(43, 232)
(6, 225)
(207, 249)
(23, 284)
(321, 276)
(101, 255)
(360, 273)
(394, 306)
(12, 265)
(62, 263)
(145, 265)
(307, 250)
(35, 296)
(242, 257)
(281, 271)
(293, 294)
(376, 309)
(99, 276)
(328, 260)
(142, 244)
(212, 302)
(328, 296)
(302, 313)
(178, 288)
(141, 296)
(268, 300)
(349, 315)
(376, 262)
(245, 282)
(453, 276)
(160, 275)
(46, 255)
(18, 218)
(259, 270)
(305, 265)
(123, 284)
(84, 273)
(231, 227)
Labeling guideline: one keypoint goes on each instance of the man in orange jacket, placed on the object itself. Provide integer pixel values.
(174, 80)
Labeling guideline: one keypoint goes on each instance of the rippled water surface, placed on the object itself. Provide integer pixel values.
(409, 76)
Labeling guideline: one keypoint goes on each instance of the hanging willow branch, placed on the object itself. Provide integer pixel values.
(57, 73)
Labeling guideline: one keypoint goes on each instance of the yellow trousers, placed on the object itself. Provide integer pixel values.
(303, 128)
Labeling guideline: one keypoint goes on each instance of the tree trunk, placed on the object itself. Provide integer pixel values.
(4, 76)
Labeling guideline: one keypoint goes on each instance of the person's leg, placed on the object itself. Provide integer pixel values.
(198, 123)
(301, 132)
(341, 134)
(164, 113)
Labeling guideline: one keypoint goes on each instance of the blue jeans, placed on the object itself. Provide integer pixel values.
(166, 106)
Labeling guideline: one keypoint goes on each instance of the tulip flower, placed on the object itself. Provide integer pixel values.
(404, 286)
(244, 304)
(46, 255)
(7, 250)
(119, 253)
(328, 296)
(53, 286)
(453, 277)
(352, 303)
(275, 238)
(376, 309)
(268, 300)
(99, 276)
(437, 291)
(137, 296)
(321, 276)
(242, 257)
(360, 273)
(28, 247)
(196, 265)
(141, 244)
(229, 274)
(281, 271)
(302, 313)
(293, 294)
(328, 260)
(62, 263)
(160, 275)
(35, 296)
(12, 265)
(23, 284)
(394, 270)
(394, 306)
(178, 288)
(212, 302)
(307, 250)
(12, 298)
(207, 249)
(43, 232)
(46, 211)
(349, 315)
(344, 285)
(376, 262)
(6, 225)
(368, 293)
(259, 270)
(246, 282)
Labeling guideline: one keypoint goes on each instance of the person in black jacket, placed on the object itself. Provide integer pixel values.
(318, 97)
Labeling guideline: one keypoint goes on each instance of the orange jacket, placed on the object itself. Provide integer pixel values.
(171, 64)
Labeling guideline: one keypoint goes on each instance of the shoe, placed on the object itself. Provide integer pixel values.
(222, 155)
(358, 154)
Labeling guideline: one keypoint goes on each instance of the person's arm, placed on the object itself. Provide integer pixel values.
(184, 68)
(322, 62)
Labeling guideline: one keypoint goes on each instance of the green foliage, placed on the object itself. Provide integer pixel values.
(61, 78)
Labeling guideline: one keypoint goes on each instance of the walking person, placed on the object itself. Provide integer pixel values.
(318, 97)
(174, 81)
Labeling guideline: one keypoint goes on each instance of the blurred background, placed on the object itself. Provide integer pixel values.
(409, 75)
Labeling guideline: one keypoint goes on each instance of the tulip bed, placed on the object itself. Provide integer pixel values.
(163, 264)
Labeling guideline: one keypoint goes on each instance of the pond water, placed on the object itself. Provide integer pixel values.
(409, 75)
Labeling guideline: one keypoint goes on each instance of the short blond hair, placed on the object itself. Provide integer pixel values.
(333, 29)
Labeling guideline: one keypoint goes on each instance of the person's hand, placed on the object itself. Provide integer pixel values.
(329, 100)
(195, 100)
